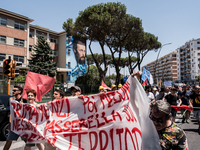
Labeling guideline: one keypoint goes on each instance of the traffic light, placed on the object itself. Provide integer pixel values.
(7, 67)
(14, 64)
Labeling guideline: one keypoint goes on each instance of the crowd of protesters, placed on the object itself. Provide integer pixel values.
(162, 114)
(178, 96)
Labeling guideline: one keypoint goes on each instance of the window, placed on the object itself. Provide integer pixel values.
(198, 48)
(18, 58)
(38, 34)
(198, 42)
(2, 39)
(31, 34)
(69, 65)
(19, 26)
(198, 54)
(3, 21)
(18, 42)
(191, 43)
(54, 53)
(68, 77)
(30, 48)
(69, 52)
(53, 40)
(2, 57)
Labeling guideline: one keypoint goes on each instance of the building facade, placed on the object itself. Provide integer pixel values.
(188, 58)
(18, 36)
(164, 69)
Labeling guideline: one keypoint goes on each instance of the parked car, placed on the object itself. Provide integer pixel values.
(4, 116)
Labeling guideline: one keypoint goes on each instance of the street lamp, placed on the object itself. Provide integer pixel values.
(158, 56)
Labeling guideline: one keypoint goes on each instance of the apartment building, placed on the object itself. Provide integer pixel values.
(188, 58)
(164, 69)
(18, 36)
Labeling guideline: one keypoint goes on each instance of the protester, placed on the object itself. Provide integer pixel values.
(167, 91)
(185, 96)
(119, 86)
(195, 102)
(171, 136)
(155, 92)
(113, 87)
(58, 94)
(161, 95)
(17, 92)
(172, 100)
(149, 94)
(75, 90)
(31, 96)
(101, 89)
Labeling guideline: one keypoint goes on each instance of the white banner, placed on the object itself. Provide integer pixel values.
(96, 122)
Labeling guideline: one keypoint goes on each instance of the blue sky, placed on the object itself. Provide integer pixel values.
(172, 21)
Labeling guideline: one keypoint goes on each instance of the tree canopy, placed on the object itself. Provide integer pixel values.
(109, 25)
(42, 59)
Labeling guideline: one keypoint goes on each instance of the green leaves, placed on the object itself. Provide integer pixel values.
(42, 60)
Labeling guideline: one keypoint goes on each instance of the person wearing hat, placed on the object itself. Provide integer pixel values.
(171, 136)
(172, 100)
(101, 89)
(119, 86)
(113, 87)
(75, 90)
(155, 92)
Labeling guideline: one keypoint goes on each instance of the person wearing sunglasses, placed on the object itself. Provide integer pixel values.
(75, 90)
(171, 136)
(16, 92)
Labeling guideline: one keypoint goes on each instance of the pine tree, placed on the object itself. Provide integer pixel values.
(42, 60)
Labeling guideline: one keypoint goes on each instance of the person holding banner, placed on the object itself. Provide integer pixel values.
(113, 87)
(171, 136)
(195, 102)
(31, 96)
(17, 91)
(75, 90)
(58, 94)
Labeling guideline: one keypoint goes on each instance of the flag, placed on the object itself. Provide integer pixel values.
(147, 74)
(105, 86)
(38, 82)
(145, 82)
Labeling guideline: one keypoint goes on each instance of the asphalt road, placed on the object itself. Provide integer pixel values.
(190, 130)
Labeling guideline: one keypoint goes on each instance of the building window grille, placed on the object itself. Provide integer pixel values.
(30, 48)
(2, 57)
(19, 26)
(18, 58)
(2, 39)
(53, 40)
(31, 34)
(3, 21)
(18, 42)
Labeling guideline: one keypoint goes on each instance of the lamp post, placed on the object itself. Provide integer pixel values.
(158, 57)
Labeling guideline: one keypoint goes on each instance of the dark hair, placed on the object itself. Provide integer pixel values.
(19, 88)
(31, 91)
(62, 93)
(147, 87)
